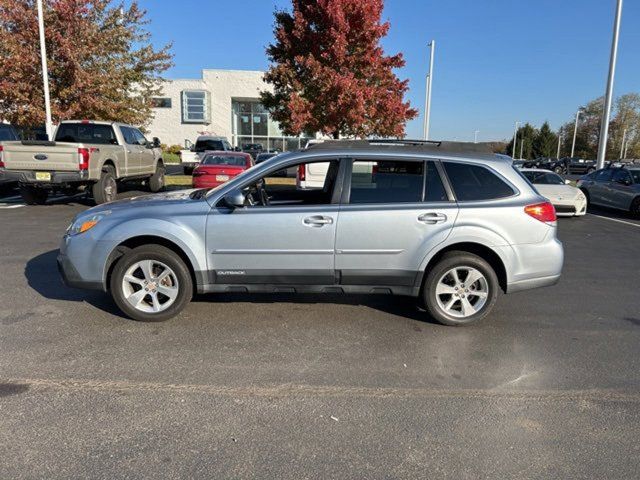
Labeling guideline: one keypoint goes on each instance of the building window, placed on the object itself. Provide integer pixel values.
(251, 124)
(195, 106)
(161, 102)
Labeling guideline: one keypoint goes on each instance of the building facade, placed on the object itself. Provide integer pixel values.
(222, 103)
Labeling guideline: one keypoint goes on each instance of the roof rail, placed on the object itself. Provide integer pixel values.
(414, 145)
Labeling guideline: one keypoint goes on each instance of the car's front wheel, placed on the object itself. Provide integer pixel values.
(151, 283)
(460, 289)
(635, 207)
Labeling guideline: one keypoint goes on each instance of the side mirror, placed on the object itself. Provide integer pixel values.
(234, 199)
(156, 142)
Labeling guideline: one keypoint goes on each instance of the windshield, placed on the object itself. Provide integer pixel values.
(204, 145)
(544, 178)
(233, 160)
(636, 175)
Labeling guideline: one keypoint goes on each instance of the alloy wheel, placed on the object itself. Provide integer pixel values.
(150, 286)
(462, 292)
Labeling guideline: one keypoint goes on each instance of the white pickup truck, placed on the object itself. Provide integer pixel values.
(83, 154)
(190, 159)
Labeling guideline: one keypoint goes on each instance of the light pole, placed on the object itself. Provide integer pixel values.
(624, 139)
(475, 136)
(521, 147)
(427, 102)
(45, 74)
(604, 127)
(560, 136)
(575, 131)
(515, 141)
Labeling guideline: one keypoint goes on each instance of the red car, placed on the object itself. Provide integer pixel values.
(217, 168)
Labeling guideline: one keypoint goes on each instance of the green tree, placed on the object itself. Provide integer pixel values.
(526, 136)
(545, 143)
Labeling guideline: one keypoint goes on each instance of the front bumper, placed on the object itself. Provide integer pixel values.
(28, 177)
(72, 278)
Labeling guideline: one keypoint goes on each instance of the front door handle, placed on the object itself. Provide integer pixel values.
(318, 221)
(432, 218)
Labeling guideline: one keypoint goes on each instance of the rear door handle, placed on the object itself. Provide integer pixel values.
(318, 221)
(432, 218)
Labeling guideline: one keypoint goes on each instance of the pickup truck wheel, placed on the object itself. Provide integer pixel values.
(151, 284)
(156, 181)
(460, 289)
(33, 196)
(105, 189)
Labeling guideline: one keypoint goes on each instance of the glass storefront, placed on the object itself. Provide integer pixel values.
(251, 124)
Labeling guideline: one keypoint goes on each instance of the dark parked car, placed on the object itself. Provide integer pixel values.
(253, 149)
(577, 165)
(613, 187)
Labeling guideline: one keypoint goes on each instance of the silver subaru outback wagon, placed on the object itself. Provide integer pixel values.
(431, 220)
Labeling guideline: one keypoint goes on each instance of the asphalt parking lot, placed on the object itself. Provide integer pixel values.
(280, 386)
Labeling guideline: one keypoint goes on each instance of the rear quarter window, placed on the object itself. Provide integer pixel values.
(475, 182)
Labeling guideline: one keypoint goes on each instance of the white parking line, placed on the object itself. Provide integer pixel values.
(615, 220)
(6, 207)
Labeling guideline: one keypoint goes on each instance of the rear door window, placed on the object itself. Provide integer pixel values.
(475, 182)
(603, 176)
(387, 182)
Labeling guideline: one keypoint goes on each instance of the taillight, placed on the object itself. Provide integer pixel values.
(302, 172)
(374, 169)
(545, 212)
(1, 156)
(83, 158)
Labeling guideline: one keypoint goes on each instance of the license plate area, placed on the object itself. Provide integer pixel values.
(43, 176)
(222, 178)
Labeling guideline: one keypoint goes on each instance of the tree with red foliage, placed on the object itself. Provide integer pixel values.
(330, 74)
(101, 64)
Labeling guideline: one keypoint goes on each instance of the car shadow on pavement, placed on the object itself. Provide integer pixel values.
(42, 275)
(401, 306)
(612, 213)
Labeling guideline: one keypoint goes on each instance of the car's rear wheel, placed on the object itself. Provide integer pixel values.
(460, 289)
(33, 196)
(156, 181)
(559, 170)
(106, 189)
(151, 284)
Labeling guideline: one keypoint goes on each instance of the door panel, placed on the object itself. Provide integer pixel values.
(272, 245)
(384, 245)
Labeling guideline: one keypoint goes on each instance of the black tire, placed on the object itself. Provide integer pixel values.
(635, 207)
(449, 261)
(106, 189)
(33, 196)
(155, 253)
(156, 181)
(559, 170)
(187, 170)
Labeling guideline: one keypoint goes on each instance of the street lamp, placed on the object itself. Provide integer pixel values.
(45, 74)
(606, 114)
(575, 130)
(475, 136)
(515, 141)
(560, 137)
(624, 139)
(427, 102)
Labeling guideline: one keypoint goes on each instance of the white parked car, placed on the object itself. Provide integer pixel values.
(568, 201)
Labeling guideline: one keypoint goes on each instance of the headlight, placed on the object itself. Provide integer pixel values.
(85, 223)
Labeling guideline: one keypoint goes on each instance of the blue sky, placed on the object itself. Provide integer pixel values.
(497, 61)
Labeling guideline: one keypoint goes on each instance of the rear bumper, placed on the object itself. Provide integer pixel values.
(534, 265)
(28, 177)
